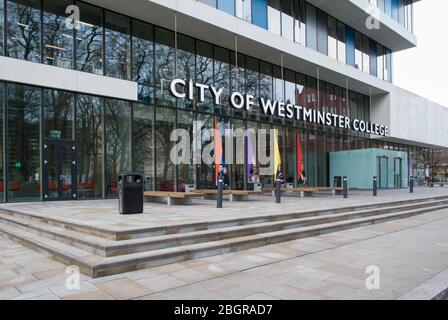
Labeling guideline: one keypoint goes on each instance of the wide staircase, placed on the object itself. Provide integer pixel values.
(100, 252)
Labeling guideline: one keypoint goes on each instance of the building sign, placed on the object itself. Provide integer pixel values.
(182, 89)
(55, 134)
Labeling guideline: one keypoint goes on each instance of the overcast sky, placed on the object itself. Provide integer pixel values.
(424, 70)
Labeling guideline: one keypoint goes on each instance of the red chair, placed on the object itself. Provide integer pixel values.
(90, 185)
(15, 186)
(52, 185)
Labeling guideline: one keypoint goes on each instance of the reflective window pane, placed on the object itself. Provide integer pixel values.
(2, 165)
(143, 139)
(142, 52)
(287, 19)
(244, 9)
(58, 109)
(89, 130)
(165, 124)
(164, 65)
(23, 30)
(341, 42)
(89, 39)
(58, 39)
(274, 17)
(23, 109)
(118, 142)
(118, 46)
(300, 24)
(332, 38)
(2, 27)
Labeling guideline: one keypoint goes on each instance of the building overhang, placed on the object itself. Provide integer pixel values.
(203, 22)
(355, 13)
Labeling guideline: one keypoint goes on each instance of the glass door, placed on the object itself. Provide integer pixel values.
(397, 172)
(59, 170)
(382, 172)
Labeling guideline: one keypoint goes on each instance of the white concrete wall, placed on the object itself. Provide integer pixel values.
(42, 75)
(411, 118)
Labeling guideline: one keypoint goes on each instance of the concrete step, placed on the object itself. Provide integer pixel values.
(145, 232)
(96, 266)
(107, 248)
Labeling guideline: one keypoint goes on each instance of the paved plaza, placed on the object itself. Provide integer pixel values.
(411, 254)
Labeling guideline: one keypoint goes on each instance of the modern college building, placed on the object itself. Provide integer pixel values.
(85, 91)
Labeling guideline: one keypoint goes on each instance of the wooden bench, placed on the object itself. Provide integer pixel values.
(234, 195)
(440, 184)
(172, 198)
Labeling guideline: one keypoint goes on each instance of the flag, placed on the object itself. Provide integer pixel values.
(277, 156)
(219, 155)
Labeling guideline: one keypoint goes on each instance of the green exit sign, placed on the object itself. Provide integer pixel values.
(18, 164)
(55, 134)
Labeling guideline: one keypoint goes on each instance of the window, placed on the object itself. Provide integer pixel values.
(358, 51)
(24, 173)
(299, 24)
(252, 83)
(143, 135)
(227, 6)
(118, 46)
(118, 142)
(274, 16)
(59, 108)
(89, 39)
(165, 124)
(244, 10)
(209, 2)
(185, 64)
(164, 65)
(373, 58)
(204, 72)
(380, 62)
(89, 153)
(2, 27)
(341, 42)
(143, 59)
(287, 19)
(332, 38)
(366, 54)
(58, 39)
(23, 34)
(322, 34)
(222, 74)
(311, 27)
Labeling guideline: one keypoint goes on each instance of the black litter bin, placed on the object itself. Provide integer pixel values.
(130, 193)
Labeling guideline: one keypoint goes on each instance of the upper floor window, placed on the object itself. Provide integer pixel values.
(300, 24)
(58, 38)
(23, 30)
(244, 9)
(274, 16)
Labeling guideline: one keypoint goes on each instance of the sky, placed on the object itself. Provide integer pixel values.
(424, 69)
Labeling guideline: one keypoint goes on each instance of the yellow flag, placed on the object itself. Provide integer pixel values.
(277, 156)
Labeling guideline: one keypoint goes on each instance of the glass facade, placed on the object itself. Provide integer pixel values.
(110, 136)
(305, 24)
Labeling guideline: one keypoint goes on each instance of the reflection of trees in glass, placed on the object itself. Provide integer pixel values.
(58, 40)
(118, 141)
(185, 171)
(2, 26)
(204, 72)
(89, 131)
(185, 70)
(143, 125)
(165, 65)
(142, 53)
(89, 40)
(23, 140)
(165, 122)
(58, 113)
(222, 74)
(118, 46)
(23, 33)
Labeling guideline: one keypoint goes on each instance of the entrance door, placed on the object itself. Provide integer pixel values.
(59, 170)
(382, 172)
(397, 172)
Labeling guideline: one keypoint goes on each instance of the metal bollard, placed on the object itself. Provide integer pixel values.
(375, 186)
(220, 192)
(278, 192)
(411, 184)
(345, 187)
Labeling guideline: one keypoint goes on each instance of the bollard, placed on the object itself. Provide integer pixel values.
(411, 184)
(220, 192)
(345, 187)
(278, 192)
(375, 186)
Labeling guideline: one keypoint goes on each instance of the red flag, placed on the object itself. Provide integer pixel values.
(299, 153)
